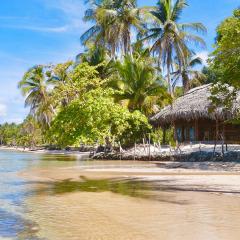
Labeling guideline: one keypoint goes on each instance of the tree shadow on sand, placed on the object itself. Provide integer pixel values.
(127, 187)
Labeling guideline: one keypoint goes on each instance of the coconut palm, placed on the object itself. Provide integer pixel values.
(34, 88)
(100, 57)
(113, 23)
(58, 76)
(171, 38)
(138, 86)
(188, 74)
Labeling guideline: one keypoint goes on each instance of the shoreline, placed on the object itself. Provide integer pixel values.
(173, 179)
(46, 151)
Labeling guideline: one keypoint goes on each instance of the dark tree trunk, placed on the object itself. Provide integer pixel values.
(186, 84)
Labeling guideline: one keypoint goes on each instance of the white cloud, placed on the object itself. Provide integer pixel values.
(204, 55)
(37, 28)
(3, 110)
(73, 10)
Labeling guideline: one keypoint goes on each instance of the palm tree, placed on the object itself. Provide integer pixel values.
(171, 38)
(58, 76)
(138, 86)
(97, 56)
(188, 74)
(113, 23)
(34, 88)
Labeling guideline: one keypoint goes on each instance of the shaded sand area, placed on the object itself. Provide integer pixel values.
(135, 201)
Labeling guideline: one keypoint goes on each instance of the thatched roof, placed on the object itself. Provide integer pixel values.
(193, 105)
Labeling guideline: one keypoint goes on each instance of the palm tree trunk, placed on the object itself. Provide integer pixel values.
(169, 81)
(185, 80)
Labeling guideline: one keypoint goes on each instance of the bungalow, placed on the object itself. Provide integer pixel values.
(193, 121)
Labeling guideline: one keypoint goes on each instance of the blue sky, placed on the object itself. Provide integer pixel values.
(47, 31)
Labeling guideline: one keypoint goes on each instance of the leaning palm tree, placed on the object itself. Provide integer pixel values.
(171, 38)
(188, 74)
(113, 23)
(138, 86)
(34, 88)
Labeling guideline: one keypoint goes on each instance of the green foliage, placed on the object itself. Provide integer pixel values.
(211, 76)
(26, 134)
(34, 87)
(99, 57)
(113, 86)
(80, 79)
(113, 21)
(171, 38)
(94, 117)
(226, 61)
(158, 136)
(9, 133)
(30, 134)
(187, 73)
(223, 96)
(138, 85)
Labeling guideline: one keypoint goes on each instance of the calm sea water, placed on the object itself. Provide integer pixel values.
(105, 209)
(14, 190)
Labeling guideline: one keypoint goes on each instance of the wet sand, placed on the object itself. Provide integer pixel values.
(183, 204)
(79, 155)
(108, 216)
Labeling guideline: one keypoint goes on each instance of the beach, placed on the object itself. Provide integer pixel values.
(47, 196)
(183, 203)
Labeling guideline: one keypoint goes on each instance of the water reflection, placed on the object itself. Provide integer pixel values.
(14, 190)
(105, 209)
(127, 187)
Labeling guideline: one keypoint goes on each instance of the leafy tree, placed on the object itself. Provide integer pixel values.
(95, 116)
(210, 75)
(80, 79)
(226, 57)
(171, 38)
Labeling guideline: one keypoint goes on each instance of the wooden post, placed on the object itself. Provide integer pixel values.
(149, 138)
(224, 136)
(217, 129)
(144, 145)
(196, 131)
(120, 150)
(175, 131)
(134, 158)
(164, 135)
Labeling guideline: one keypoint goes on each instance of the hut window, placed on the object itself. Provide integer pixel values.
(192, 134)
(185, 134)
(179, 134)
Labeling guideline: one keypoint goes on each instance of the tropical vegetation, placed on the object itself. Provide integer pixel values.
(136, 60)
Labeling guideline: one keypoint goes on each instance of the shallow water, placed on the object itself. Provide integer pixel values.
(108, 209)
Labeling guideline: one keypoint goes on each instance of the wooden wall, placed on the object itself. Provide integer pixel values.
(206, 130)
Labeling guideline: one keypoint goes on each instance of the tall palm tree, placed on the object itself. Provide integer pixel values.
(34, 88)
(187, 74)
(113, 20)
(138, 86)
(171, 38)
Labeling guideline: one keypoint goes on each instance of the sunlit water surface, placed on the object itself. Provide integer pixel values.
(115, 209)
